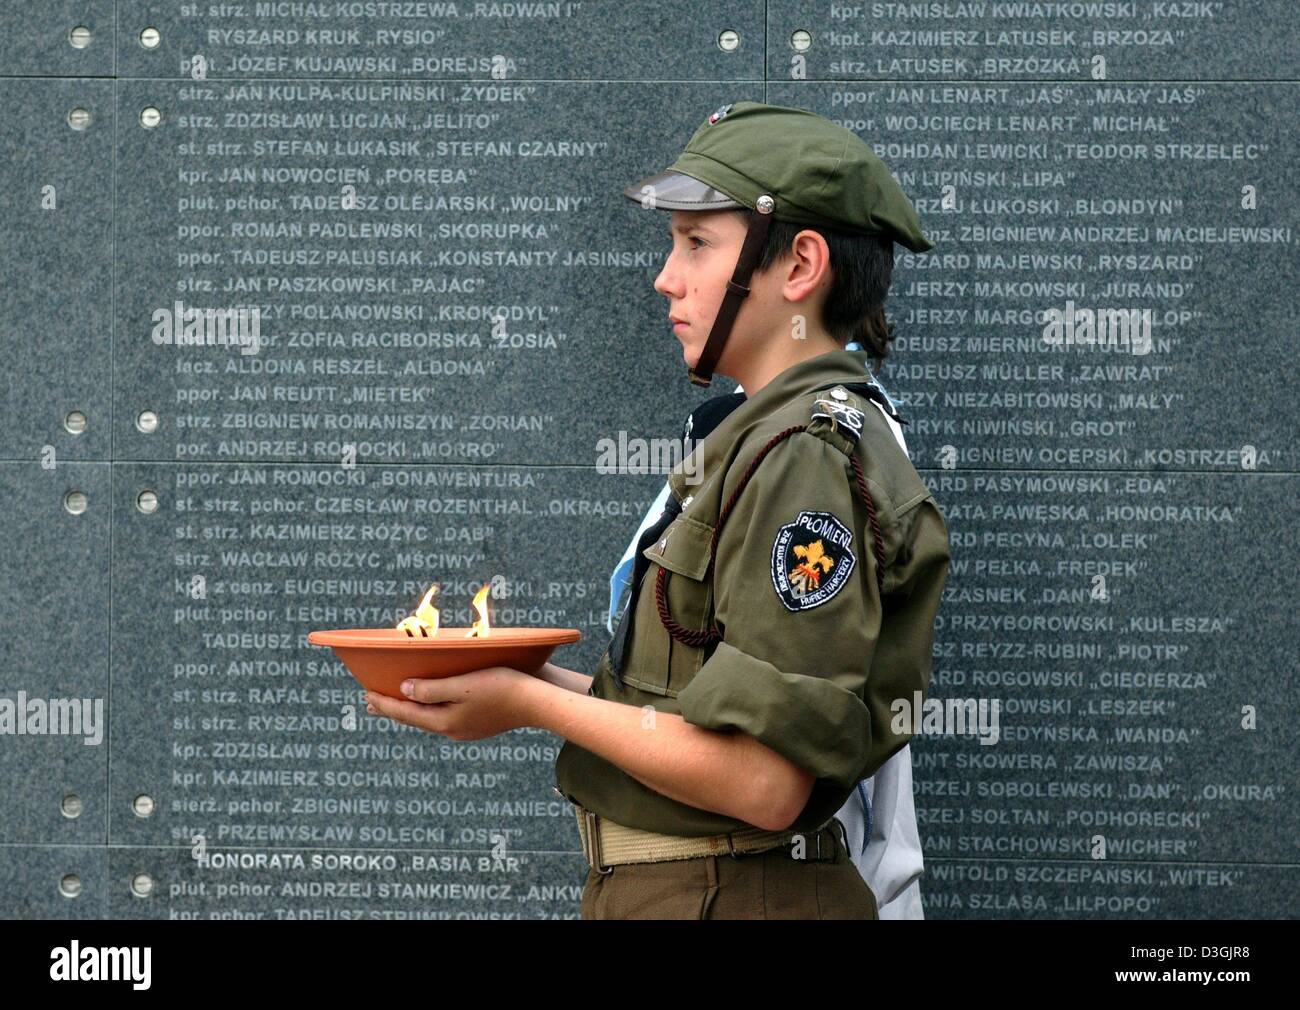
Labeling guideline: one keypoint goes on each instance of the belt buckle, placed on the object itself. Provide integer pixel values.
(593, 844)
(818, 856)
(831, 838)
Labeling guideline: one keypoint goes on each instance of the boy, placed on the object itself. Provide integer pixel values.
(879, 818)
(787, 595)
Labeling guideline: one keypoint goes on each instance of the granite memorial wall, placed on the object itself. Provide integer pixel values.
(420, 206)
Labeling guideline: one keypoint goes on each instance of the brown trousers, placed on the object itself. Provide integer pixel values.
(760, 885)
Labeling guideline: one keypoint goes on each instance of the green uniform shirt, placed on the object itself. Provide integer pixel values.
(810, 662)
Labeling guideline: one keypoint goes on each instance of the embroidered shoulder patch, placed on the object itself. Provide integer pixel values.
(812, 559)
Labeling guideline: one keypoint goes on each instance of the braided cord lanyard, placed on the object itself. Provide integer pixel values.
(711, 636)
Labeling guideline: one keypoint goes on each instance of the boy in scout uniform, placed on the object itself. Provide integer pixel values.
(879, 818)
(787, 595)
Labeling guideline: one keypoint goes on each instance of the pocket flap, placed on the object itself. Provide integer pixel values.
(683, 548)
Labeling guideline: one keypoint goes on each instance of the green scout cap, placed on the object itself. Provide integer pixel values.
(818, 173)
(785, 165)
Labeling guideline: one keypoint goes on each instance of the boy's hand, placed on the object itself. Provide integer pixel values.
(469, 706)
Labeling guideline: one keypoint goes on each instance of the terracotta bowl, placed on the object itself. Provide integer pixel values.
(381, 658)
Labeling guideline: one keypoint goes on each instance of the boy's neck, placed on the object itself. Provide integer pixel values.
(758, 371)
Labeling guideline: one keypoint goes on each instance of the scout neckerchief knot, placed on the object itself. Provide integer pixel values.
(702, 420)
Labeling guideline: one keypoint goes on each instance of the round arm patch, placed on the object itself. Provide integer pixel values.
(812, 559)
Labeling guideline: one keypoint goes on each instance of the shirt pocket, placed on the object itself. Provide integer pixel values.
(683, 552)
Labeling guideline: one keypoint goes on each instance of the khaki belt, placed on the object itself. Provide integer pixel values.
(606, 844)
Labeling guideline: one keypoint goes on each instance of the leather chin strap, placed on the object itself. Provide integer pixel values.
(737, 288)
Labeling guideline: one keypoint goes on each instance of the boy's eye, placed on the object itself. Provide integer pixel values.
(699, 240)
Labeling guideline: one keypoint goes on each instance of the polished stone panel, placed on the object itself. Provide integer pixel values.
(956, 40)
(54, 882)
(284, 883)
(37, 39)
(56, 268)
(244, 734)
(1036, 207)
(486, 42)
(1106, 671)
(1143, 889)
(422, 295)
(456, 330)
(55, 684)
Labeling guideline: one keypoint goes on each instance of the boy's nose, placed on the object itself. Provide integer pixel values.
(667, 283)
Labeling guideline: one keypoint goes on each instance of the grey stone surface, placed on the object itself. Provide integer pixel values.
(239, 728)
(54, 653)
(474, 41)
(401, 291)
(56, 238)
(1057, 228)
(1124, 783)
(287, 883)
(1141, 41)
(1069, 215)
(1011, 888)
(1120, 625)
(33, 879)
(36, 39)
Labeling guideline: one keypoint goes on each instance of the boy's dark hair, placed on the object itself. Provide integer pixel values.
(861, 266)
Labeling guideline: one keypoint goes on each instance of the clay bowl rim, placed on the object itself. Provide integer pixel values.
(445, 638)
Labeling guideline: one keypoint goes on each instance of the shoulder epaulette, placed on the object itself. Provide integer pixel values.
(871, 391)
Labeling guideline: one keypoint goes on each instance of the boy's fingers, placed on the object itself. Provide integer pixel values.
(427, 692)
(409, 712)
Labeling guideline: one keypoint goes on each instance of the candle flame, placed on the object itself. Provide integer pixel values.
(425, 618)
(481, 628)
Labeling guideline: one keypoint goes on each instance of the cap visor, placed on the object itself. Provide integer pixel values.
(675, 191)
